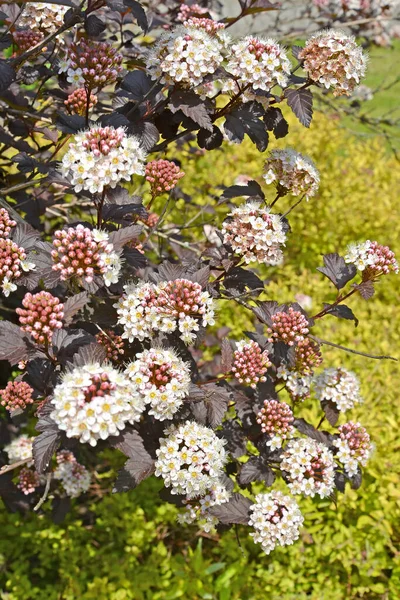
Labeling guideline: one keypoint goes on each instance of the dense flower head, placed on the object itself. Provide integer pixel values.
(43, 17)
(186, 55)
(290, 327)
(26, 39)
(255, 233)
(92, 65)
(6, 223)
(276, 420)
(276, 519)
(28, 480)
(19, 449)
(307, 356)
(297, 384)
(190, 459)
(83, 253)
(77, 101)
(13, 262)
(310, 468)
(186, 11)
(16, 394)
(372, 259)
(41, 316)
(179, 304)
(112, 343)
(250, 363)
(354, 447)
(339, 386)
(93, 402)
(333, 59)
(163, 175)
(102, 157)
(161, 379)
(292, 172)
(197, 510)
(208, 25)
(260, 63)
(74, 477)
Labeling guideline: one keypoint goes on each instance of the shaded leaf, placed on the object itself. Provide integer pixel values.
(60, 507)
(246, 120)
(301, 103)
(234, 511)
(41, 375)
(356, 480)
(45, 444)
(233, 433)
(240, 278)
(91, 353)
(256, 469)
(70, 123)
(265, 310)
(137, 83)
(7, 75)
(94, 26)
(226, 356)
(340, 481)
(331, 412)
(124, 235)
(192, 106)
(25, 235)
(210, 140)
(252, 188)
(365, 289)
(73, 305)
(341, 311)
(211, 403)
(337, 270)
(13, 343)
(276, 122)
(139, 14)
(307, 429)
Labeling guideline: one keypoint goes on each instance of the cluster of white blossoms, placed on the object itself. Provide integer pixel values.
(339, 386)
(180, 305)
(333, 59)
(74, 477)
(276, 519)
(297, 384)
(20, 449)
(93, 402)
(102, 157)
(190, 459)
(255, 234)
(354, 447)
(198, 510)
(372, 258)
(187, 54)
(292, 173)
(161, 379)
(258, 63)
(46, 18)
(310, 468)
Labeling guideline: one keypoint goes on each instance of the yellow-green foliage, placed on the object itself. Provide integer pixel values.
(132, 548)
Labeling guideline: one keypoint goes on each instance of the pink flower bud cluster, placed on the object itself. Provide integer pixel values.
(186, 11)
(6, 223)
(101, 140)
(310, 467)
(262, 63)
(113, 344)
(74, 477)
(80, 252)
(209, 25)
(250, 363)
(307, 356)
(41, 316)
(151, 220)
(289, 327)
(28, 480)
(255, 234)
(163, 175)
(12, 263)
(77, 101)
(372, 259)
(333, 59)
(25, 39)
(16, 394)
(93, 64)
(354, 446)
(292, 173)
(276, 420)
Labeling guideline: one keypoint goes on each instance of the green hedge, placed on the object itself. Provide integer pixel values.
(130, 547)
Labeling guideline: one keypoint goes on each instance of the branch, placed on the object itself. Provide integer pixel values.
(376, 357)
(13, 466)
(45, 493)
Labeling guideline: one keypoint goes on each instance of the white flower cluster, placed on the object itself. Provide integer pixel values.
(258, 63)
(94, 402)
(197, 510)
(292, 173)
(354, 447)
(74, 477)
(298, 385)
(255, 234)
(186, 55)
(276, 519)
(43, 17)
(372, 256)
(338, 385)
(102, 157)
(161, 379)
(310, 467)
(190, 459)
(20, 449)
(179, 304)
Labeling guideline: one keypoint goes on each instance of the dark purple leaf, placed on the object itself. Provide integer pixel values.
(168, 271)
(307, 429)
(246, 120)
(233, 433)
(252, 188)
(60, 508)
(296, 50)
(265, 310)
(340, 481)
(226, 356)
(121, 197)
(275, 121)
(45, 444)
(240, 279)
(94, 26)
(70, 123)
(336, 269)
(139, 465)
(13, 343)
(25, 236)
(201, 276)
(365, 289)
(148, 133)
(301, 103)
(356, 480)
(139, 14)
(256, 469)
(235, 511)
(66, 343)
(192, 106)
(341, 311)
(91, 353)
(210, 140)
(7, 75)
(214, 399)
(41, 375)
(73, 305)
(331, 412)
(137, 83)
(124, 235)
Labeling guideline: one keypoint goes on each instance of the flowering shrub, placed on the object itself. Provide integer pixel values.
(156, 286)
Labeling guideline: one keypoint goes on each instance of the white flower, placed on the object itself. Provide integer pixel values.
(27, 266)
(20, 449)
(7, 287)
(310, 468)
(45, 17)
(74, 477)
(298, 385)
(339, 386)
(292, 173)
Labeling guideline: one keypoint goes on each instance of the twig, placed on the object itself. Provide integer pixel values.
(376, 357)
(21, 186)
(45, 493)
(13, 466)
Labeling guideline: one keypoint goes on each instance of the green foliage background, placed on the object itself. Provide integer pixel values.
(129, 547)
